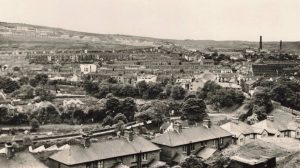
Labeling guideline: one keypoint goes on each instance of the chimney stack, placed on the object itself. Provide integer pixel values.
(86, 140)
(130, 136)
(9, 150)
(235, 120)
(260, 42)
(178, 127)
(207, 123)
(280, 45)
(270, 117)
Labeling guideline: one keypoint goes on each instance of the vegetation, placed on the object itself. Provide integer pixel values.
(194, 109)
(220, 97)
(192, 162)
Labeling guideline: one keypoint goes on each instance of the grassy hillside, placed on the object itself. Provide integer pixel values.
(108, 41)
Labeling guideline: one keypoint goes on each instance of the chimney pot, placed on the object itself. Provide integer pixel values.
(9, 150)
(270, 117)
(130, 136)
(207, 123)
(235, 120)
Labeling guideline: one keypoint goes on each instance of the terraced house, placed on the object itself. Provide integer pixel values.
(134, 152)
(177, 145)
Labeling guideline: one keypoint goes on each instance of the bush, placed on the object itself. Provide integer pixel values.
(35, 125)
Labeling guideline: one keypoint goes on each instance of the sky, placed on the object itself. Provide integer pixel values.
(174, 19)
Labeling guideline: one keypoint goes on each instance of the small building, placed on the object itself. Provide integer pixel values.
(243, 133)
(147, 78)
(73, 103)
(278, 128)
(132, 152)
(88, 68)
(252, 162)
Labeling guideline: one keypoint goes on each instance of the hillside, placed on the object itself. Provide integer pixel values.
(25, 36)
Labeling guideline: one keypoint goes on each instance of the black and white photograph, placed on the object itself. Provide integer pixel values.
(149, 83)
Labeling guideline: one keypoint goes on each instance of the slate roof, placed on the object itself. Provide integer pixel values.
(195, 134)
(206, 153)
(21, 160)
(276, 125)
(238, 129)
(104, 150)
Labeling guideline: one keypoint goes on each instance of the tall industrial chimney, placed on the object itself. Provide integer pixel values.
(260, 42)
(280, 45)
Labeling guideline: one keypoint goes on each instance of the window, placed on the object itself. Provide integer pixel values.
(215, 142)
(252, 136)
(192, 147)
(144, 157)
(286, 134)
(221, 141)
(184, 148)
(100, 164)
(97, 164)
(133, 159)
(298, 133)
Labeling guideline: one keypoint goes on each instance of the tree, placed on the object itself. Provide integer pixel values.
(78, 116)
(25, 92)
(177, 92)
(128, 90)
(44, 94)
(168, 89)
(108, 120)
(155, 111)
(16, 68)
(142, 87)
(8, 85)
(194, 109)
(209, 86)
(103, 90)
(192, 162)
(112, 105)
(283, 94)
(225, 98)
(35, 125)
(120, 117)
(153, 91)
(42, 79)
(24, 80)
(91, 87)
(128, 108)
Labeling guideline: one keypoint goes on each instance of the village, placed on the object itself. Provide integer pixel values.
(158, 106)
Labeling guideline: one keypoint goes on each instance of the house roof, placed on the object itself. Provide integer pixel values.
(21, 160)
(195, 134)
(238, 129)
(104, 150)
(277, 125)
(206, 152)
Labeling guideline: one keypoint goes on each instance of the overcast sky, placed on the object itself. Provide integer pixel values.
(176, 19)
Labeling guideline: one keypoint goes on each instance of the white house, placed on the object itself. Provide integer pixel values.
(88, 68)
(147, 78)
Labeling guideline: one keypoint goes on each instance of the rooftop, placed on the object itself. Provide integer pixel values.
(104, 150)
(195, 134)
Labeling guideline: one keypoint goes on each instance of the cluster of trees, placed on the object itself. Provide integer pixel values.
(192, 109)
(259, 107)
(283, 90)
(8, 85)
(27, 88)
(140, 90)
(220, 97)
(110, 112)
